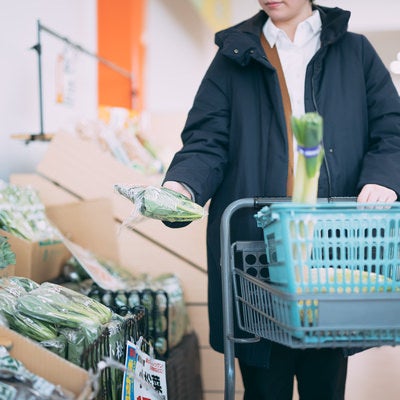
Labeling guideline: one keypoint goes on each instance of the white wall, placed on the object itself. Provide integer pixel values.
(180, 47)
(19, 100)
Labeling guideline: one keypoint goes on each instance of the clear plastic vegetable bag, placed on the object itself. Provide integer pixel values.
(160, 203)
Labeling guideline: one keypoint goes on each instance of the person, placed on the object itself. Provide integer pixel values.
(236, 145)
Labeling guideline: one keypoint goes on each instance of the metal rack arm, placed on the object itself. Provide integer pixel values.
(38, 48)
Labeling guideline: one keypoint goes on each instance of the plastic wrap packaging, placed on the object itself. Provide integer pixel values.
(7, 256)
(120, 132)
(117, 350)
(163, 298)
(11, 289)
(59, 305)
(178, 318)
(57, 346)
(18, 383)
(159, 203)
(23, 214)
(77, 341)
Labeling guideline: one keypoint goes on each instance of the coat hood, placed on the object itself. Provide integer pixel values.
(242, 41)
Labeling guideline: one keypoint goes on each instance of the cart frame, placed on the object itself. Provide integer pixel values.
(227, 291)
(228, 288)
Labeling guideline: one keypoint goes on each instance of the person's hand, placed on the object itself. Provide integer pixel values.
(372, 193)
(177, 187)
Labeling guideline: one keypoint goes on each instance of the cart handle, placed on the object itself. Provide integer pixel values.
(260, 202)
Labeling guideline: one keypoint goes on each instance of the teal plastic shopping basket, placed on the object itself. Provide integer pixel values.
(339, 247)
(333, 267)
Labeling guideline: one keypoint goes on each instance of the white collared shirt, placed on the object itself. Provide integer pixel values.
(296, 55)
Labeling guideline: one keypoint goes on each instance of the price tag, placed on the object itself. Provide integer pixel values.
(145, 378)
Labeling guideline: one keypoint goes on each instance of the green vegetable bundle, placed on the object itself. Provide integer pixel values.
(161, 203)
(62, 306)
(21, 281)
(7, 256)
(23, 214)
(22, 323)
(308, 131)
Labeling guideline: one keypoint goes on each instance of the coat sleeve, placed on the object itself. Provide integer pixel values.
(381, 164)
(201, 161)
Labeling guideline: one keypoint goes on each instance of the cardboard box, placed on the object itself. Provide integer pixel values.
(90, 224)
(7, 271)
(39, 261)
(87, 223)
(46, 364)
(49, 193)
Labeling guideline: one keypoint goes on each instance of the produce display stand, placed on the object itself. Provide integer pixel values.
(108, 385)
(183, 370)
(326, 275)
(182, 361)
(155, 302)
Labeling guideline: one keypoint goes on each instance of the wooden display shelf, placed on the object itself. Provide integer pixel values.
(33, 137)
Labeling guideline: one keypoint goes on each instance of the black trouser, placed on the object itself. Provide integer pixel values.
(320, 374)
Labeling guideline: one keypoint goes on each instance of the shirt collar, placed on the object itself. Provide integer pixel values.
(272, 33)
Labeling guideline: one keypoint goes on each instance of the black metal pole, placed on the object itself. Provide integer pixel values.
(38, 48)
(78, 47)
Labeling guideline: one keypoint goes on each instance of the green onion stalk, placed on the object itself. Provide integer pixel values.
(308, 131)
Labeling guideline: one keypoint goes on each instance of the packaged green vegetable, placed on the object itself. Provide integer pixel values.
(116, 341)
(23, 214)
(12, 287)
(62, 306)
(160, 203)
(7, 256)
(24, 324)
(57, 345)
(18, 285)
(77, 341)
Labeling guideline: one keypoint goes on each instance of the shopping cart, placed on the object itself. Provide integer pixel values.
(326, 275)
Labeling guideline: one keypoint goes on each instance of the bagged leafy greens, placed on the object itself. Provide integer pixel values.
(7, 256)
(64, 307)
(57, 345)
(77, 341)
(11, 289)
(25, 283)
(160, 203)
(24, 324)
(23, 214)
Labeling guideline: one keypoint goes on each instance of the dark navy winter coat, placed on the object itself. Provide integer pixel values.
(234, 140)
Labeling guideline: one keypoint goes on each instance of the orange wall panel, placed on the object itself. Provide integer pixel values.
(120, 27)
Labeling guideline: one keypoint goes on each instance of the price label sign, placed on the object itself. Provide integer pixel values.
(145, 377)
